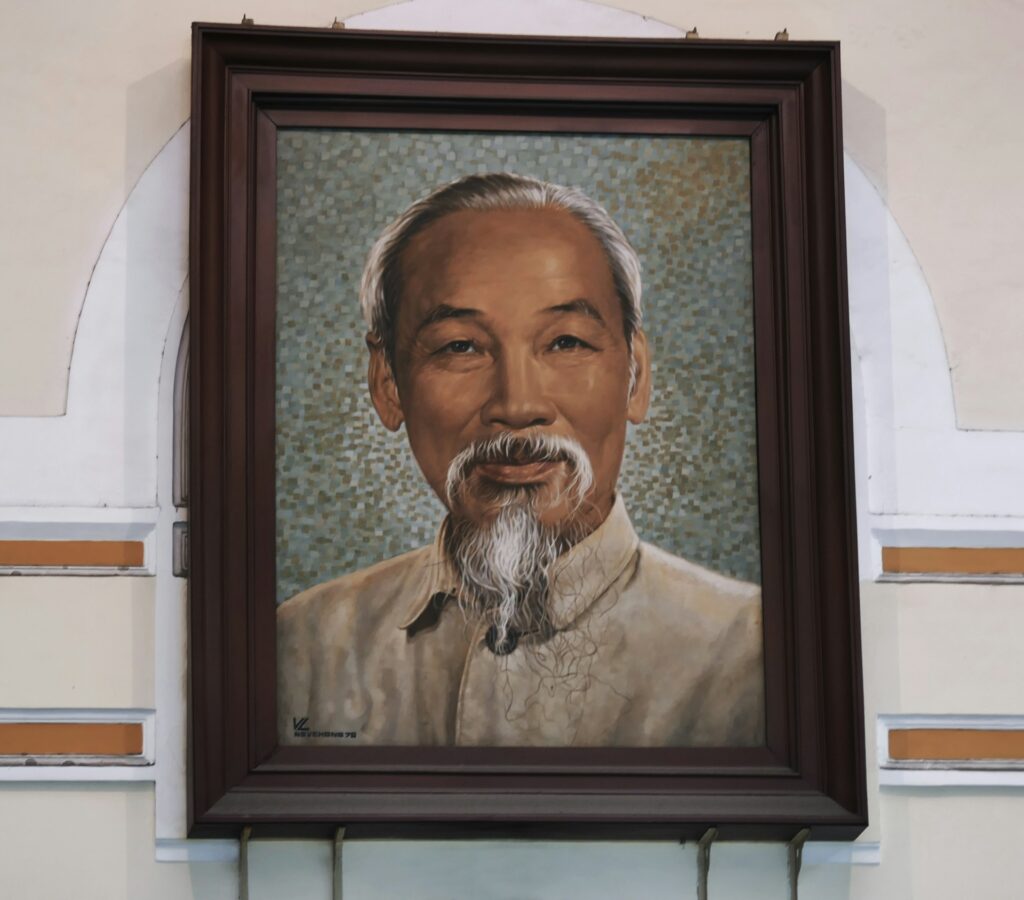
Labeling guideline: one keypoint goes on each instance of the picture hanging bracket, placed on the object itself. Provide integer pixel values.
(704, 862)
(243, 863)
(179, 549)
(795, 849)
(339, 838)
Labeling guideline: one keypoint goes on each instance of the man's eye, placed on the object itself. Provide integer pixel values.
(458, 347)
(568, 342)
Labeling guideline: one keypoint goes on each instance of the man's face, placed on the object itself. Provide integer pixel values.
(509, 323)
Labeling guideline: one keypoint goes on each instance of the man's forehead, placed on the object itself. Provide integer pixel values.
(511, 244)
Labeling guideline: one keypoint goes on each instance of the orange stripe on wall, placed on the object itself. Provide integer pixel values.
(72, 553)
(954, 560)
(955, 743)
(70, 738)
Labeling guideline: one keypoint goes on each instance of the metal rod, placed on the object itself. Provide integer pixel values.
(704, 862)
(796, 856)
(243, 863)
(339, 837)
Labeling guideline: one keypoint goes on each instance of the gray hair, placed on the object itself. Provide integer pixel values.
(382, 284)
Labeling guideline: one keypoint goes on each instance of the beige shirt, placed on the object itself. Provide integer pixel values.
(649, 650)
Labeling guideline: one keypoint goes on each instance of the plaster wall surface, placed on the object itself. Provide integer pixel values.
(76, 642)
(95, 89)
(99, 88)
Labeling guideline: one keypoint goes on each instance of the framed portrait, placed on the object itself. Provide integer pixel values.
(521, 459)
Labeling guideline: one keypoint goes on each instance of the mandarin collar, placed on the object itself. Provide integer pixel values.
(581, 575)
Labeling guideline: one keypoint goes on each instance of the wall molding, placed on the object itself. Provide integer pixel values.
(948, 769)
(87, 765)
(968, 549)
(102, 452)
(72, 540)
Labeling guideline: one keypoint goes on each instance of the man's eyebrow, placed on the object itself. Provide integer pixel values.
(580, 306)
(443, 311)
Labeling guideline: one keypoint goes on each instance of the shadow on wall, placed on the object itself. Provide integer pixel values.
(864, 136)
(155, 108)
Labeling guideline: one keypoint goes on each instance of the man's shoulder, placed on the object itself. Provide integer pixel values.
(662, 568)
(389, 580)
(683, 595)
(702, 629)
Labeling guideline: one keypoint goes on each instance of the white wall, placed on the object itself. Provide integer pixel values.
(98, 89)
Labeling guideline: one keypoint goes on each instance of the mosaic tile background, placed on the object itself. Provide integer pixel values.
(349, 493)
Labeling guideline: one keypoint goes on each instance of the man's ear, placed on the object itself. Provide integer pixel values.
(640, 390)
(381, 381)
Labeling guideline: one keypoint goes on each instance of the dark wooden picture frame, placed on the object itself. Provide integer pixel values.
(248, 82)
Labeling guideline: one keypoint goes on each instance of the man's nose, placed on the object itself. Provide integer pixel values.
(518, 395)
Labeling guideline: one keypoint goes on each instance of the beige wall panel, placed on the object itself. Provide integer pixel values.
(966, 844)
(959, 647)
(76, 642)
(880, 643)
(894, 878)
(94, 843)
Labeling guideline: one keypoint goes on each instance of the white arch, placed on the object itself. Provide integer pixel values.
(919, 462)
(102, 452)
(552, 17)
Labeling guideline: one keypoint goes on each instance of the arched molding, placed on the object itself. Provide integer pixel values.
(570, 18)
(180, 406)
(103, 451)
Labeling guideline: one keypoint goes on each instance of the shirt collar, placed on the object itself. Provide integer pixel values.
(582, 574)
(441, 578)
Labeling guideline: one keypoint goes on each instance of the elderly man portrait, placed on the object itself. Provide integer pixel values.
(505, 337)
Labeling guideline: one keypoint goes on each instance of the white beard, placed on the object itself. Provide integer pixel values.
(506, 565)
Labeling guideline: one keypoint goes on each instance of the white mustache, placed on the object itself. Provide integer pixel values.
(520, 449)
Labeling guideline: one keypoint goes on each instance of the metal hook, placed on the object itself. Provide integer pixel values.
(704, 862)
(243, 863)
(336, 25)
(796, 855)
(692, 33)
(246, 20)
(339, 837)
(782, 35)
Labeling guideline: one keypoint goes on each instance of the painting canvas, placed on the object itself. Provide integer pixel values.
(516, 466)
